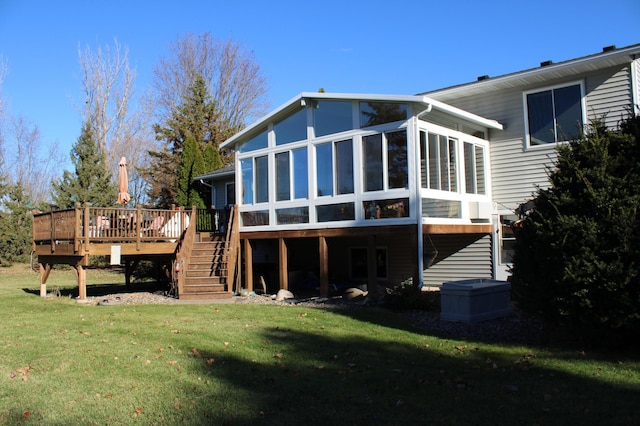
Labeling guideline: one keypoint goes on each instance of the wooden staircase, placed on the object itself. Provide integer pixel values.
(206, 262)
(206, 269)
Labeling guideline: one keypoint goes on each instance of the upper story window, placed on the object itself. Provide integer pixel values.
(375, 113)
(332, 117)
(291, 129)
(554, 115)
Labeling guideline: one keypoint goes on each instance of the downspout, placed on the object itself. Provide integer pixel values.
(420, 248)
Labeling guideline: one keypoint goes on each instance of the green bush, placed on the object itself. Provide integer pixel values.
(577, 253)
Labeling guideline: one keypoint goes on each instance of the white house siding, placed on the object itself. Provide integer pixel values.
(609, 95)
(635, 84)
(473, 261)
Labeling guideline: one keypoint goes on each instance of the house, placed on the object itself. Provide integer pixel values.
(351, 189)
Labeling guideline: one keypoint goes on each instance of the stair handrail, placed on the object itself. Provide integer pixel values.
(232, 243)
(183, 251)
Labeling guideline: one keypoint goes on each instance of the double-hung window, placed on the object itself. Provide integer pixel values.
(554, 115)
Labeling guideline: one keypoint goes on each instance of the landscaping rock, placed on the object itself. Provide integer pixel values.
(283, 295)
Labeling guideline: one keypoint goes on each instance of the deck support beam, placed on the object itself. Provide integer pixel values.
(372, 268)
(45, 270)
(324, 266)
(248, 264)
(283, 267)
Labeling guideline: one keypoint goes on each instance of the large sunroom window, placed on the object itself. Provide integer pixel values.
(291, 174)
(375, 113)
(554, 115)
(255, 180)
(438, 162)
(336, 156)
(474, 169)
(385, 155)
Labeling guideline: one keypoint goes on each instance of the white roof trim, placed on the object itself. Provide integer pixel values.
(631, 51)
(415, 99)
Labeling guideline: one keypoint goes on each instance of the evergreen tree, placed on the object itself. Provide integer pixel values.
(191, 165)
(197, 117)
(15, 226)
(212, 159)
(576, 254)
(91, 182)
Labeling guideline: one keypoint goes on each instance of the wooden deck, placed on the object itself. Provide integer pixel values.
(126, 235)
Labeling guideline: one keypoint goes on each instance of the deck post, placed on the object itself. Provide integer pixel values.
(87, 232)
(324, 266)
(138, 227)
(77, 227)
(372, 270)
(283, 267)
(45, 269)
(53, 232)
(248, 265)
(82, 281)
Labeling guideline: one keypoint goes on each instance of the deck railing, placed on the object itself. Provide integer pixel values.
(82, 225)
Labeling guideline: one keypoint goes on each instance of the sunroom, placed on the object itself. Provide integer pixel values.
(335, 160)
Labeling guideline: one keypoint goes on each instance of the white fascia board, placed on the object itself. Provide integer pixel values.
(465, 115)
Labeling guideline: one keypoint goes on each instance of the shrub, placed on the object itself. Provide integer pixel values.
(577, 253)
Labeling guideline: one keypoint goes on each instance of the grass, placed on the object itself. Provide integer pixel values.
(62, 363)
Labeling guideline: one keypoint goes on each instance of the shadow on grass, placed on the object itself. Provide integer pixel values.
(99, 290)
(316, 379)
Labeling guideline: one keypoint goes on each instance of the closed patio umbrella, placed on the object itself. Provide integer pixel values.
(123, 182)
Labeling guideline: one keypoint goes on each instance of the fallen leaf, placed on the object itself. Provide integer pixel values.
(278, 356)
(26, 415)
(172, 362)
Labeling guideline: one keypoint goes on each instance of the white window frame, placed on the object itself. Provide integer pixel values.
(583, 107)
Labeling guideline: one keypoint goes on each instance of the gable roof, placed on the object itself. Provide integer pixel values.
(609, 57)
(421, 104)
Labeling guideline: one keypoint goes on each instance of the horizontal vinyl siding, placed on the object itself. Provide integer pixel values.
(609, 96)
(517, 173)
(473, 261)
(400, 257)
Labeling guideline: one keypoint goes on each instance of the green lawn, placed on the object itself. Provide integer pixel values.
(64, 363)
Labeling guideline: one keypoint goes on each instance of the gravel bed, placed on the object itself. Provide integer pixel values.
(513, 329)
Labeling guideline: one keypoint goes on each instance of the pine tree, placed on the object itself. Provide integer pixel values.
(576, 255)
(91, 182)
(15, 226)
(197, 117)
(212, 159)
(191, 165)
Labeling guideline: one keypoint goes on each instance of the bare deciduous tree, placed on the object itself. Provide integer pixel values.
(32, 164)
(120, 130)
(234, 79)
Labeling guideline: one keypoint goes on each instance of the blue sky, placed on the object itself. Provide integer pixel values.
(357, 46)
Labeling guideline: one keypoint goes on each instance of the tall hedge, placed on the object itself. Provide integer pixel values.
(577, 253)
